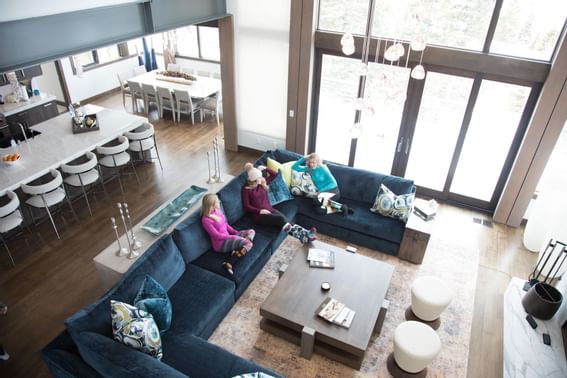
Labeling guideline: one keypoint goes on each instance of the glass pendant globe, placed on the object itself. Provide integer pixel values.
(347, 39)
(391, 54)
(362, 69)
(356, 130)
(418, 72)
(418, 44)
(400, 50)
(348, 49)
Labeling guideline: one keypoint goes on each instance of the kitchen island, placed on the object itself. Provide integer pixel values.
(56, 144)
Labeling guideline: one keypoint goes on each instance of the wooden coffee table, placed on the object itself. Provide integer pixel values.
(359, 282)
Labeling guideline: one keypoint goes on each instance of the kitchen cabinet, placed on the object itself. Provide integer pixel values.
(4, 79)
(22, 74)
(34, 115)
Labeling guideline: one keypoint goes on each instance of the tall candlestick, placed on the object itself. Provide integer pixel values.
(121, 251)
(135, 243)
(217, 160)
(211, 179)
(125, 228)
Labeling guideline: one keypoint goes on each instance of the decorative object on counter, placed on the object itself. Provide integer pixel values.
(554, 253)
(217, 176)
(122, 251)
(84, 123)
(172, 211)
(178, 74)
(210, 180)
(135, 243)
(10, 159)
(131, 254)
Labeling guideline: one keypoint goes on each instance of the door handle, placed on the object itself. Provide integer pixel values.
(400, 144)
(47, 105)
(407, 145)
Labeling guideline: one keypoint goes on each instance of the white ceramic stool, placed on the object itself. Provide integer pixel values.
(415, 346)
(429, 298)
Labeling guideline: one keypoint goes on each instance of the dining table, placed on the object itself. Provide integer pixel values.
(200, 88)
(58, 144)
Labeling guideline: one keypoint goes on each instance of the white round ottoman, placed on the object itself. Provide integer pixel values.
(415, 346)
(429, 298)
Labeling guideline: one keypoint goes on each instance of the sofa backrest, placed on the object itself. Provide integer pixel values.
(231, 198)
(162, 261)
(190, 237)
(362, 185)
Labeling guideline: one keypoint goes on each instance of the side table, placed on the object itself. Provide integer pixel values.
(415, 239)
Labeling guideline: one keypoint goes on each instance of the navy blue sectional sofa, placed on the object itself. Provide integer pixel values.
(202, 292)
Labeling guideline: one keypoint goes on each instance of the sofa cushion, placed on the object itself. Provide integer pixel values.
(206, 359)
(200, 301)
(153, 299)
(113, 359)
(361, 185)
(245, 268)
(284, 168)
(191, 238)
(135, 328)
(231, 198)
(391, 205)
(162, 261)
(361, 221)
(63, 359)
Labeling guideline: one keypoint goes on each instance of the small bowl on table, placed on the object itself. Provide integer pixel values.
(10, 159)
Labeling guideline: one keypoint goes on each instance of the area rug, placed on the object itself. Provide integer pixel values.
(457, 265)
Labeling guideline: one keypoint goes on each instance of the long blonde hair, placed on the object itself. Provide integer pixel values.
(314, 157)
(208, 205)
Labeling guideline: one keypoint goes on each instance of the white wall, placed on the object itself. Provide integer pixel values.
(261, 59)
(96, 81)
(20, 9)
(49, 81)
(199, 65)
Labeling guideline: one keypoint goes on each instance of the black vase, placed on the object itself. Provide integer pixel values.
(542, 301)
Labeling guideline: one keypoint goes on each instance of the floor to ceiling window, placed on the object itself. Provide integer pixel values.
(456, 132)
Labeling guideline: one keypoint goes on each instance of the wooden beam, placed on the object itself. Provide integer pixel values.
(226, 41)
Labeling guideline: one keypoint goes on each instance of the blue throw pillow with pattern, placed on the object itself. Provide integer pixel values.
(278, 191)
(153, 299)
(391, 205)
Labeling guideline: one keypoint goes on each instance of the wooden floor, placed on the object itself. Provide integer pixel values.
(55, 278)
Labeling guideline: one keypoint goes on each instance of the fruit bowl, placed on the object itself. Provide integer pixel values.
(10, 158)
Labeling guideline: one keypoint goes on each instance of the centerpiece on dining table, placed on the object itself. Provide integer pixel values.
(82, 122)
(176, 77)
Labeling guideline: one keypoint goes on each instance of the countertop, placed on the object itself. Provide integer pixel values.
(12, 108)
(57, 144)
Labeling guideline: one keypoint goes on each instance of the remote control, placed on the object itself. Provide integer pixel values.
(350, 249)
(546, 339)
(532, 321)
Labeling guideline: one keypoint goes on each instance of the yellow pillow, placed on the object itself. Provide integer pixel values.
(285, 168)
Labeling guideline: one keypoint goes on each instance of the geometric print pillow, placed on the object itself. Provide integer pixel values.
(135, 328)
(391, 205)
(302, 184)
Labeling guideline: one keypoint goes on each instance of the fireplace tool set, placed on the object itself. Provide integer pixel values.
(216, 175)
(133, 243)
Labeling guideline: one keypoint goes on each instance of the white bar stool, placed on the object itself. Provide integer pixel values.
(116, 156)
(143, 140)
(10, 219)
(43, 196)
(82, 175)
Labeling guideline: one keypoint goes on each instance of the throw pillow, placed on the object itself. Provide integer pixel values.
(285, 168)
(391, 205)
(153, 298)
(135, 328)
(278, 191)
(302, 184)
(254, 375)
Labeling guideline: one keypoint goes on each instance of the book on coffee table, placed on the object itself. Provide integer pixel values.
(321, 258)
(335, 312)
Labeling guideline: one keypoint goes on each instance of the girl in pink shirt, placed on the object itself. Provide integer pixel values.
(224, 237)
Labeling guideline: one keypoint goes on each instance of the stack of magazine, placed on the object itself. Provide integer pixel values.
(321, 258)
(336, 312)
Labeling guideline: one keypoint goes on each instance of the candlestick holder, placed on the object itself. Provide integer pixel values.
(135, 243)
(125, 230)
(218, 177)
(122, 251)
(211, 179)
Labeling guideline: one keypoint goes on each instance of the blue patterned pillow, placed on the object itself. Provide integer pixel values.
(391, 205)
(135, 328)
(278, 191)
(153, 298)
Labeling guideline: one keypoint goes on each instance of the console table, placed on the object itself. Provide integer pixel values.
(111, 267)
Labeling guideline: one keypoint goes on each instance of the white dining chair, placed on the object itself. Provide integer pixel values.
(213, 105)
(173, 67)
(216, 75)
(203, 73)
(46, 195)
(83, 175)
(150, 95)
(185, 105)
(165, 101)
(143, 141)
(114, 155)
(139, 70)
(10, 219)
(124, 87)
(187, 70)
(137, 93)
